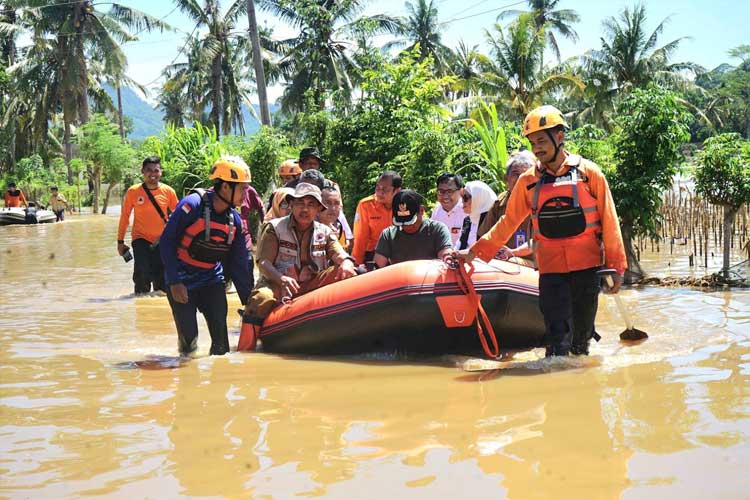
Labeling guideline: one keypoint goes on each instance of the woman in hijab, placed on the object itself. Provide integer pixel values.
(279, 205)
(478, 198)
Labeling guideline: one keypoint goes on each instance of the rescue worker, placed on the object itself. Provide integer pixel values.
(309, 158)
(57, 203)
(412, 237)
(289, 170)
(450, 208)
(373, 215)
(204, 231)
(14, 197)
(151, 202)
(296, 254)
(519, 244)
(573, 217)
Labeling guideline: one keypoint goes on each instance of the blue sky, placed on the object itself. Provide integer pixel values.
(712, 27)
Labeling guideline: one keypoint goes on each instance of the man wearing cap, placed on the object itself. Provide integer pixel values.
(296, 254)
(310, 159)
(373, 216)
(412, 237)
(573, 218)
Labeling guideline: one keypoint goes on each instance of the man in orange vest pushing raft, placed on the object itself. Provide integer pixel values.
(296, 254)
(573, 216)
(204, 231)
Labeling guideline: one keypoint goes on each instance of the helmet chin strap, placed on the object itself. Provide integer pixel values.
(557, 146)
(228, 202)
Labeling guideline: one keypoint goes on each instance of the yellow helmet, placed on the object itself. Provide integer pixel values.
(230, 169)
(289, 167)
(542, 118)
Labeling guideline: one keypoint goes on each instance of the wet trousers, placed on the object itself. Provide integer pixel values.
(59, 215)
(569, 302)
(147, 268)
(211, 301)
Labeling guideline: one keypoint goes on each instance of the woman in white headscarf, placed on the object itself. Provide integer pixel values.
(478, 198)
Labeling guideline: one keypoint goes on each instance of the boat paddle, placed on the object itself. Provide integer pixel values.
(630, 333)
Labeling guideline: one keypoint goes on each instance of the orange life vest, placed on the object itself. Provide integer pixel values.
(566, 224)
(204, 252)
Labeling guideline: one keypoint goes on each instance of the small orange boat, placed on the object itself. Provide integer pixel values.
(415, 308)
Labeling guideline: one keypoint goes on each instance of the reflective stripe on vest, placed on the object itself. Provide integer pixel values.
(288, 261)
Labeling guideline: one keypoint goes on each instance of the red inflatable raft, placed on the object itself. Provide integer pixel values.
(416, 307)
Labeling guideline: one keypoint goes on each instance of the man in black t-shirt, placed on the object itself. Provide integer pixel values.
(412, 237)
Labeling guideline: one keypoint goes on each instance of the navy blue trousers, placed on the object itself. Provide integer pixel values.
(569, 302)
(211, 301)
(147, 267)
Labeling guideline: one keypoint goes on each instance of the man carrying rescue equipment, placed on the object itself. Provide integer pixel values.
(150, 202)
(204, 231)
(573, 217)
(296, 255)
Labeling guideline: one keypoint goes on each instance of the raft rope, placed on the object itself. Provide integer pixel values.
(463, 278)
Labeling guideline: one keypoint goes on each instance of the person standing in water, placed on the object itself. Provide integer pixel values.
(573, 218)
(150, 202)
(204, 232)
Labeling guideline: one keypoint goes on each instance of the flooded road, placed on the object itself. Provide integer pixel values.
(669, 418)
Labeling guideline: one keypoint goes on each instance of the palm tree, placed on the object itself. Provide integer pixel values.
(514, 73)
(629, 57)
(216, 52)
(551, 20)
(317, 61)
(82, 33)
(422, 29)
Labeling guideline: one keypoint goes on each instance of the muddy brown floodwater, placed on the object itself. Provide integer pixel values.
(669, 418)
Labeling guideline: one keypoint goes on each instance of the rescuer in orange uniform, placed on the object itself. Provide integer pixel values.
(14, 197)
(372, 216)
(574, 219)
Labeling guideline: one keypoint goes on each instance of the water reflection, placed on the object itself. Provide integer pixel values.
(654, 420)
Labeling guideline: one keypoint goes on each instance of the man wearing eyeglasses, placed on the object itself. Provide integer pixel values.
(296, 255)
(450, 208)
(372, 216)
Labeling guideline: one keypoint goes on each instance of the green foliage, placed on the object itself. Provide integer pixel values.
(593, 144)
(104, 152)
(35, 178)
(399, 109)
(723, 173)
(652, 128)
(494, 150)
(263, 152)
(187, 154)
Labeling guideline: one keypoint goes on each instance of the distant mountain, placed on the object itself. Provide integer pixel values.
(150, 121)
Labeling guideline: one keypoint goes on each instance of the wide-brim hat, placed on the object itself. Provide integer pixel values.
(310, 152)
(406, 207)
(304, 189)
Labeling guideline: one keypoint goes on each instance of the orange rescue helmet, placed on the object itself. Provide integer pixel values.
(230, 169)
(542, 118)
(289, 167)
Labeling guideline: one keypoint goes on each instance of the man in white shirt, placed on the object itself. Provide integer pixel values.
(450, 208)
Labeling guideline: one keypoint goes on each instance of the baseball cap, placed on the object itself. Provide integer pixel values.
(405, 207)
(304, 189)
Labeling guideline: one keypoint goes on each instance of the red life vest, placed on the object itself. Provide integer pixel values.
(206, 242)
(566, 223)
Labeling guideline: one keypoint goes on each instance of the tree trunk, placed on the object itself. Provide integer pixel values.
(634, 271)
(216, 91)
(260, 77)
(729, 214)
(97, 175)
(68, 149)
(119, 112)
(106, 197)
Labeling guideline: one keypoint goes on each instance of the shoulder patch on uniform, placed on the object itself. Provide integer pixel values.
(186, 208)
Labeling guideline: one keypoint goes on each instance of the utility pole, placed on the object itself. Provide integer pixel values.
(260, 78)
